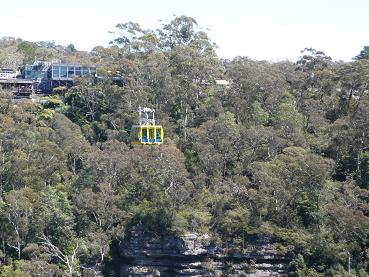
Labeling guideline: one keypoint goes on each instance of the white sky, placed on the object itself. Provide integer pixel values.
(260, 29)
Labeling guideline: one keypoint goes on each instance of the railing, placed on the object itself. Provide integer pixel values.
(6, 75)
(143, 116)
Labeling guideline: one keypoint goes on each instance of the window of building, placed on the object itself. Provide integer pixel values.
(78, 71)
(71, 72)
(56, 72)
(85, 71)
(63, 71)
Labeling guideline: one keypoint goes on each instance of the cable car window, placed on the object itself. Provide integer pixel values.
(158, 136)
(151, 135)
(144, 135)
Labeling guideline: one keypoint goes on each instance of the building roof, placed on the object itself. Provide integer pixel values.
(16, 81)
(72, 64)
(222, 82)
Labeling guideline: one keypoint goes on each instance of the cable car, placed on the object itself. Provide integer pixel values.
(146, 131)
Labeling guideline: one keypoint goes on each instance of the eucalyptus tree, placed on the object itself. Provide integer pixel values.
(16, 216)
(292, 185)
(252, 81)
(364, 54)
(173, 68)
(354, 85)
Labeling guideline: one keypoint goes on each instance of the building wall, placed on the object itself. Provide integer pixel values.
(70, 71)
(53, 75)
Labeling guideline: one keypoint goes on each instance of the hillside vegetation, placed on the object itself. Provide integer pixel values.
(282, 149)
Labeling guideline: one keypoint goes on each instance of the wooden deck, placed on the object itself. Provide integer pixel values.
(21, 88)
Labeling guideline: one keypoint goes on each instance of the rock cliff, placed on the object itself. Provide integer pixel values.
(197, 255)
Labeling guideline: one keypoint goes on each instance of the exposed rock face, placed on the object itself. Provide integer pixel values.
(197, 255)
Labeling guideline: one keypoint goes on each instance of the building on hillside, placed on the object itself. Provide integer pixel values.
(38, 73)
(51, 75)
(19, 87)
(223, 83)
(7, 73)
(9, 81)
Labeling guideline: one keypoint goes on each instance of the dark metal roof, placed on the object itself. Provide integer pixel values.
(16, 81)
(72, 64)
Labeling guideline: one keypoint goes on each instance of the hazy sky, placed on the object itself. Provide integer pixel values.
(260, 29)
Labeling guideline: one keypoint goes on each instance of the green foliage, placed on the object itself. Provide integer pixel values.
(287, 116)
(298, 268)
(55, 217)
(234, 222)
(193, 220)
(45, 114)
(364, 54)
(71, 47)
(157, 220)
(53, 102)
(258, 115)
(293, 184)
(280, 150)
(28, 49)
(363, 174)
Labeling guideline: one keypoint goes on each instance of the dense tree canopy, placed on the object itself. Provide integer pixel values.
(279, 149)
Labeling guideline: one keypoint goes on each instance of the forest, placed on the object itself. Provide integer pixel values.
(278, 148)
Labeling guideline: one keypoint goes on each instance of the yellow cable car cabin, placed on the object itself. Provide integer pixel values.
(146, 131)
(147, 134)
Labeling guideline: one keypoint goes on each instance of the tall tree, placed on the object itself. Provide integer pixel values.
(364, 54)
(19, 206)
